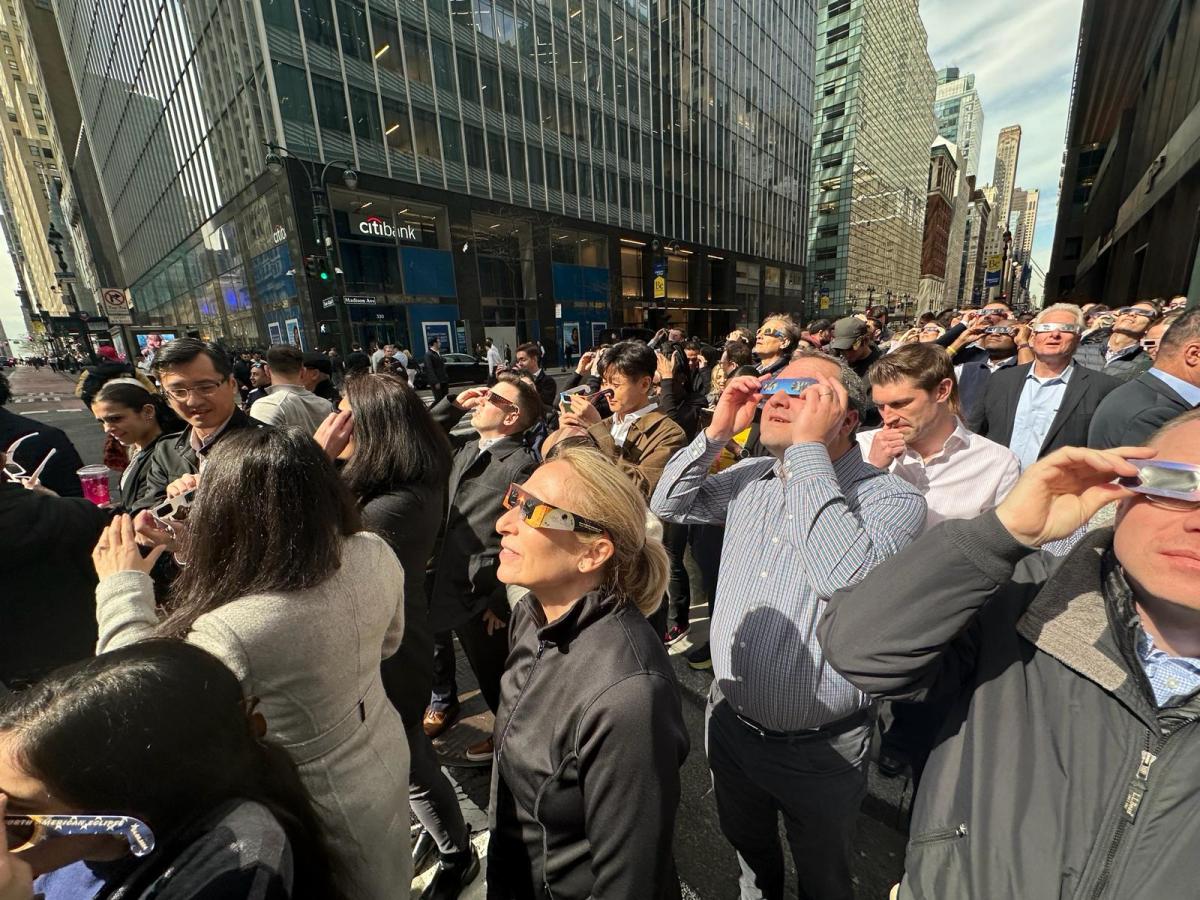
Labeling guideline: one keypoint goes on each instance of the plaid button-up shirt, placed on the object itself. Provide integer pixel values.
(797, 530)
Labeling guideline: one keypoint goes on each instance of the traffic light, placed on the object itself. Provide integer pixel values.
(316, 267)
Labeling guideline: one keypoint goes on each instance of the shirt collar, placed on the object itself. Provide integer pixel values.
(202, 447)
(959, 438)
(636, 414)
(1185, 389)
(1062, 377)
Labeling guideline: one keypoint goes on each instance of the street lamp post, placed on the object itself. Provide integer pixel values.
(322, 226)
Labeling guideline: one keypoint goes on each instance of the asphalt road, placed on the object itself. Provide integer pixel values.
(706, 863)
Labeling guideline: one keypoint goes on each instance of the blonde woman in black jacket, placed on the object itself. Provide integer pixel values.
(590, 734)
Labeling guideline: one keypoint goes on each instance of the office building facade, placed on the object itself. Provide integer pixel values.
(873, 126)
(518, 169)
(1127, 226)
(1004, 180)
(959, 115)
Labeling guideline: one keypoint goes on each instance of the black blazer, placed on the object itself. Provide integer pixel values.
(995, 411)
(59, 474)
(408, 519)
(463, 581)
(47, 581)
(1133, 412)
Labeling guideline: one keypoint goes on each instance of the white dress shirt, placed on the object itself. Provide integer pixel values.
(622, 424)
(967, 477)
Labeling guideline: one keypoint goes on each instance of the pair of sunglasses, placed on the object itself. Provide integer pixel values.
(1136, 311)
(23, 832)
(1045, 327)
(771, 332)
(1163, 480)
(793, 387)
(537, 514)
(1000, 329)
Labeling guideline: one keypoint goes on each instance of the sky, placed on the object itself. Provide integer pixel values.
(1023, 57)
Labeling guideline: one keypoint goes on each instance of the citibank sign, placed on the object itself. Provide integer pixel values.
(375, 226)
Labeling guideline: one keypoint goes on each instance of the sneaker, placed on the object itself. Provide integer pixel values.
(699, 657)
(890, 765)
(481, 752)
(676, 634)
(424, 850)
(438, 720)
(451, 878)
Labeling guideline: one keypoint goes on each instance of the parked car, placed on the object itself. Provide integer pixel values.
(461, 367)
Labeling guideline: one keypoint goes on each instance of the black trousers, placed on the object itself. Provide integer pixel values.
(440, 391)
(816, 782)
(485, 653)
(706, 542)
(679, 592)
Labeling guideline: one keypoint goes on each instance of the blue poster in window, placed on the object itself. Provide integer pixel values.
(439, 330)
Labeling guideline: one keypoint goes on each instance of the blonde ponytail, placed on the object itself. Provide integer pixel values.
(639, 569)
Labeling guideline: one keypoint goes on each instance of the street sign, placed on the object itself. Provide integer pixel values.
(328, 303)
(824, 301)
(660, 287)
(114, 304)
(351, 300)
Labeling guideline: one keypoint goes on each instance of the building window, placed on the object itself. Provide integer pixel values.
(831, 162)
(826, 252)
(837, 7)
(837, 34)
(476, 154)
(832, 137)
(42, 130)
(827, 231)
(1072, 248)
(835, 112)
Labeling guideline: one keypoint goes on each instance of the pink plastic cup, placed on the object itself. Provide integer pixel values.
(94, 480)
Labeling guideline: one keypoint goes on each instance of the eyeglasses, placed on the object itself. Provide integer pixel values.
(15, 471)
(1149, 345)
(1170, 485)
(931, 329)
(1046, 327)
(1000, 329)
(203, 389)
(1001, 312)
(1136, 311)
(22, 832)
(771, 332)
(793, 387)
(537, 514)
(496, 400)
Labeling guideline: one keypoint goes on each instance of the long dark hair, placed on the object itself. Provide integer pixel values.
(270, 515)
(136, 397)
(158, 731)
(396, 441)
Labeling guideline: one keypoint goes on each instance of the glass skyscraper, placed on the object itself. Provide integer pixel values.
(526, 168)
(873, 126)
(959, 115)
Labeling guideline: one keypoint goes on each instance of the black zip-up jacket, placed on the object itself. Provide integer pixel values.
(1055, 775)
(173, 457)
(589, 742)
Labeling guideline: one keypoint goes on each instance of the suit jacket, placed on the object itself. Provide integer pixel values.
(996, 410)
(974, 375)
(1134, 411)
(547, 389)
(435, 367)
(408, 518)
(59, 474)
(463, 582)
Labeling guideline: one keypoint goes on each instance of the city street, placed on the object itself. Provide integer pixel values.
(706, 862)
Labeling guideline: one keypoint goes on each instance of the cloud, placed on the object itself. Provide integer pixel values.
(1023, 61)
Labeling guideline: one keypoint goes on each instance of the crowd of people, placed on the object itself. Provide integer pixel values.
(979, 535)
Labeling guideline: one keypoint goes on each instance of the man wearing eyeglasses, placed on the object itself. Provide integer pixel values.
(1070, 762)
(774, 343)
(464, 595)
(197, 379)
(784, 733)
(1117, 351)
(1034, 409)
(991, 341)
(1172, 387)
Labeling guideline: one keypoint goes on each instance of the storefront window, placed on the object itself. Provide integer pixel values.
(631, 273)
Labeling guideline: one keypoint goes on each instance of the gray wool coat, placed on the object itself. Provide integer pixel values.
(312, 659)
